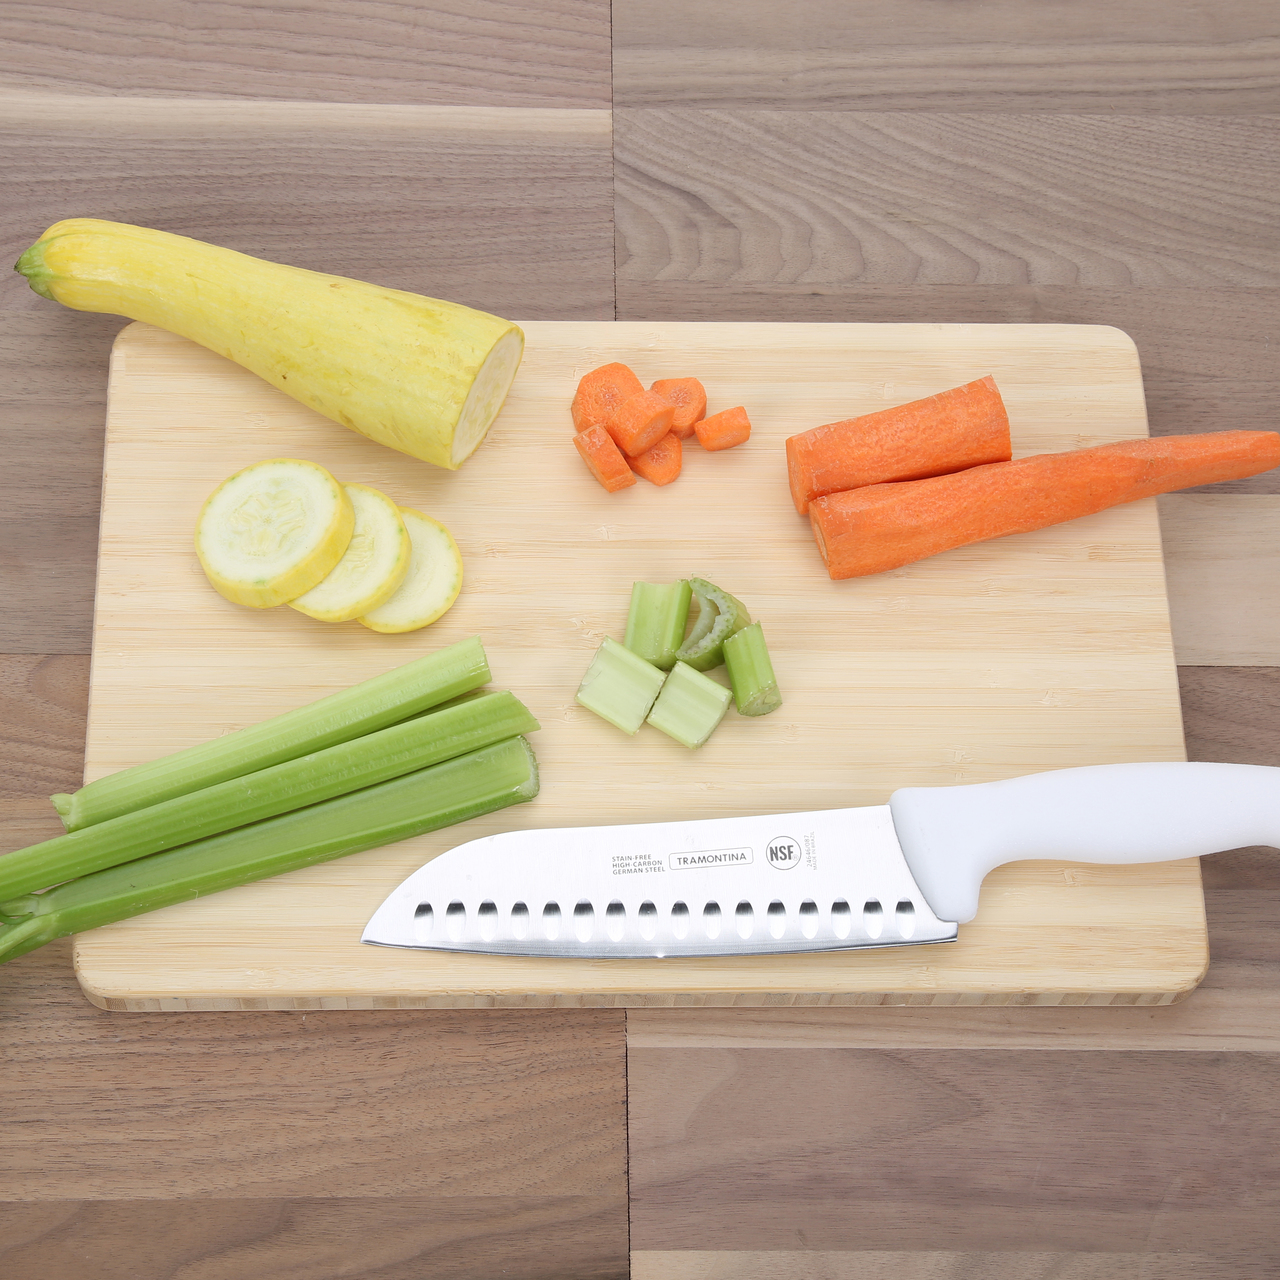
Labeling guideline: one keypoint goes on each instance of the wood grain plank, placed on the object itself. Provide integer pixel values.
(914, 55)
(1222, 567)
(1231, 713)
(874, 1264)
(964, 1150)
(318, 1105)
(402, 1238)
(497, 53)
(899, 198)
(43, 706)
(509, 210)
(1209, 356)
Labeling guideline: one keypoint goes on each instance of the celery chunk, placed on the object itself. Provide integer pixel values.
(350, 713)
(472, 722)
(755, 687)
(656, 621)
(464, 787)
(720, 615)
(689, 706)
(619, 686)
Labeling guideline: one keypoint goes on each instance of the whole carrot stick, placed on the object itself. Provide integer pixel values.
(884, 526)
(964, 427)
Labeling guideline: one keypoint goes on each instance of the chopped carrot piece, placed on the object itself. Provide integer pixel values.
(661, 463)
(600, 392)
(952, 431)
(690, 399)
(640, 422)
(724, 429)
(884, 526)
(604, 458)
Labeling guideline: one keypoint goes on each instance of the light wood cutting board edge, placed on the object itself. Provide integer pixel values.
(1177, 951)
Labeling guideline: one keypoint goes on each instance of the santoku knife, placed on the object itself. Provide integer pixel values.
(887, 875)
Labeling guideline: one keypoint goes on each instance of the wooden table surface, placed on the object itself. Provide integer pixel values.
(889, 160)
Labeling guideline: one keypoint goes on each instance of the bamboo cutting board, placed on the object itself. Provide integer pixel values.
(1041, 651)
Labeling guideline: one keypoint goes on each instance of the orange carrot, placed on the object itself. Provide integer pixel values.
(724, 429)
(660, 464)
(964, 427)
(600, 392)
(604, 458)
(690, 399)
(640, 422)
(884, 526)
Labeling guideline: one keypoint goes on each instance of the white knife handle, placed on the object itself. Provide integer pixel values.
(952, 836)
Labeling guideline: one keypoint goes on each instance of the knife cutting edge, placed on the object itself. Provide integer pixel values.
(904, 873)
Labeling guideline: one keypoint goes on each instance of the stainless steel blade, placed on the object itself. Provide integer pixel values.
(829, 880)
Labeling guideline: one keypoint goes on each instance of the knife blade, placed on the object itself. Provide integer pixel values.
(904, 873)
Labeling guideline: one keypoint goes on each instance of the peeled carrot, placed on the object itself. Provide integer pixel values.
(690, 399)
(600, 392)
(952, 431)
(638, 423)
(661, 464)
(604, 458)
(724, 429)
(884, 526)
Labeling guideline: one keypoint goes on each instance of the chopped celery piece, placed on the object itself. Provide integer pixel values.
(720, 615)
(689, 706)
(468, 724)
(619, 686)
(350, 713)
(656, 620)
(755, 688)
(464, 787)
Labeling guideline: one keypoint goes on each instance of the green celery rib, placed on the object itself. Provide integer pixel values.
(350, 713)
(755, 687)
(473, 722)
(619, 686)
(689, 706)
(656, 620)
(465, 787)
(720, 615)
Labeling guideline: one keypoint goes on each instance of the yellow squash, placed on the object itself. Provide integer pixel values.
(416, 374)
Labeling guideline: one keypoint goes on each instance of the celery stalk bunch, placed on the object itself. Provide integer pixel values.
(376, 763)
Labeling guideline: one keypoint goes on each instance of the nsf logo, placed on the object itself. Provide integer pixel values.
(782, 853)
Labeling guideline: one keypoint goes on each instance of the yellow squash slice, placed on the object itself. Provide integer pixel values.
(273, 531)
(373, 567)
(432, 583)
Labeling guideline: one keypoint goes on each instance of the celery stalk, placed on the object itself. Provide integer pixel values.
(656, 621)
(720, 615)
(619, 686)
(453, 791)
(350, 713)
(755, 687)
(471, 723)
(689, 706)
